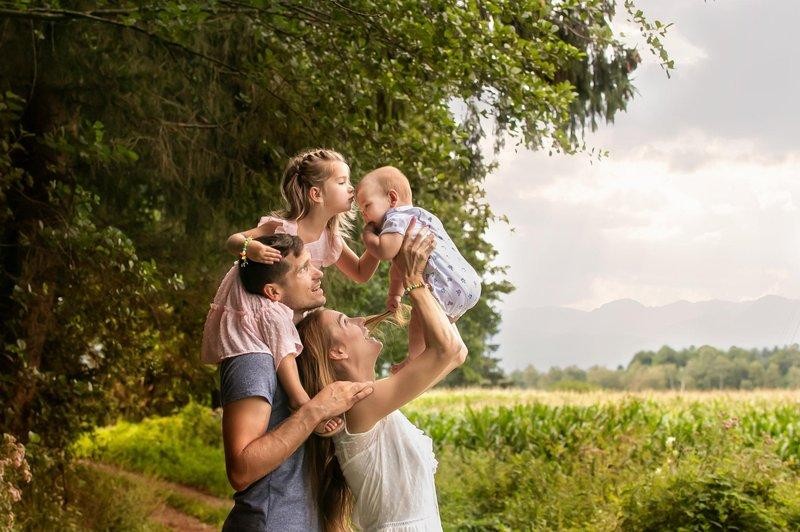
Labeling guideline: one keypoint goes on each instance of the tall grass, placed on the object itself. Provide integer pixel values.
(513, 460)
(184, 448)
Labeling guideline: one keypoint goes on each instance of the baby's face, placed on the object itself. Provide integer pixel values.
(372, 202)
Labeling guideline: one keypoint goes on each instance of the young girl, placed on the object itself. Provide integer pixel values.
(317, 191)
(384, 197)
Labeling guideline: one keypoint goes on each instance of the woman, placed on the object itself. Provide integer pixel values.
(382, 466)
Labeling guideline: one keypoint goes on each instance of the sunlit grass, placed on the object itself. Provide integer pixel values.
(477, 398)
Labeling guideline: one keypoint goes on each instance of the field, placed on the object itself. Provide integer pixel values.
(519, 460)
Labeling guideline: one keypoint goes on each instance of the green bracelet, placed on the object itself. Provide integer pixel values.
(413, 287)
(243, 254)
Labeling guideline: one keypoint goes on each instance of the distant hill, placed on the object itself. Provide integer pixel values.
(611, 334)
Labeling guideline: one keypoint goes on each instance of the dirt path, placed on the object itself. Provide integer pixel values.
(172, 519)
(166, 515)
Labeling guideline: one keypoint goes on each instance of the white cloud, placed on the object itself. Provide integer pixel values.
(699, 197)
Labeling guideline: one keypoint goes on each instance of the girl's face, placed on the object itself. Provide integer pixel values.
(337, 192)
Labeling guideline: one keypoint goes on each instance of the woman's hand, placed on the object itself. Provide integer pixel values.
(414, 253)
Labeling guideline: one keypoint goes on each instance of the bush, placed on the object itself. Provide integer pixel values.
(750, 490)
(14, 472)
(185, 448)
(111, 503)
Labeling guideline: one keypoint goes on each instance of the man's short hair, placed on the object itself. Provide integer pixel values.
(256, 275)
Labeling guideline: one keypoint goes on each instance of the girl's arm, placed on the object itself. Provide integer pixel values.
(359, 269)
(444, 350)
(255, 250)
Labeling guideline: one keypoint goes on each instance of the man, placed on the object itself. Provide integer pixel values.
(263, 442)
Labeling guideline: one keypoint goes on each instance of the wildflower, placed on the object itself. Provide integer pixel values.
(670, 441)
(730, 423)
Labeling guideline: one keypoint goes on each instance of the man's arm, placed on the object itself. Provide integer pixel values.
(250, 453)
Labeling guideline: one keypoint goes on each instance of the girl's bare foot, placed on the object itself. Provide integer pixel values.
(329, 427)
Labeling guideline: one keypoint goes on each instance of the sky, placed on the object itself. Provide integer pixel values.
(699, 196)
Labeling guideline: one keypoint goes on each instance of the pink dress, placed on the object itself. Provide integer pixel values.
(239, 322)
(324, 252)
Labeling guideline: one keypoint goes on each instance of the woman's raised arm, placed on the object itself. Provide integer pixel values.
(444, 350)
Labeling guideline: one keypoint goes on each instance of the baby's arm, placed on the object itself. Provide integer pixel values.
(255, 250)
(385, 246)
(290, 380)
(359, 269)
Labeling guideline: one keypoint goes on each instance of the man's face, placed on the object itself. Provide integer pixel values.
(301, 286)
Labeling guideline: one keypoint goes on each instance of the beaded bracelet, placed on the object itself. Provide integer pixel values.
(413, 287)
(243, 253)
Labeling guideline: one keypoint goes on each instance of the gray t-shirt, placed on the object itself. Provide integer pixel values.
(282, 499)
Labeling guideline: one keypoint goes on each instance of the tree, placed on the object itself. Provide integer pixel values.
(136, 136)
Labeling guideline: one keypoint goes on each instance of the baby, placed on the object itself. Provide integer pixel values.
(384, 197)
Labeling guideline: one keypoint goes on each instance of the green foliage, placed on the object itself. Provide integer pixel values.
(108, 503)
(92, 501)
(14, 472)
(185, 448)
(634, 464)
(703, 368)
(742, 491)
(190, 506)
(134, 137)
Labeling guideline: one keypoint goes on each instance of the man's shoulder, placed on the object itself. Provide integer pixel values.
(248, 375)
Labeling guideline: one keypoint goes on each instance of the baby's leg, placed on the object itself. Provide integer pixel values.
(290, 380)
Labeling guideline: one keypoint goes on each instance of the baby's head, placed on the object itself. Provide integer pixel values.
(380, 190)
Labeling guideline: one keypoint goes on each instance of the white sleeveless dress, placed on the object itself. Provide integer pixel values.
(390, 471)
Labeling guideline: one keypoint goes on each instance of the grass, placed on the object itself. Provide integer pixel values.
(519, 460)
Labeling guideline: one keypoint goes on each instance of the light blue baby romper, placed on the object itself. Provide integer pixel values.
(454, 283)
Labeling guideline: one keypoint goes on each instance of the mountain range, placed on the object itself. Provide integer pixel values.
(611, 334)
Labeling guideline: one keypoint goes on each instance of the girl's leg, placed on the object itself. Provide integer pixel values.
(290, 380)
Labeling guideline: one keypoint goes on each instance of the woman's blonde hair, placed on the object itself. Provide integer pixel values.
(328, 485)
(307, 169)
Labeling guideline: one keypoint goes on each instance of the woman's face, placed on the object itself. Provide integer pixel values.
(351, 336)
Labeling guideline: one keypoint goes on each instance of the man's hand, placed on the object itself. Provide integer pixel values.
(338, 397)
